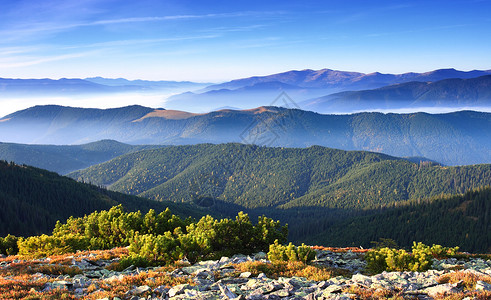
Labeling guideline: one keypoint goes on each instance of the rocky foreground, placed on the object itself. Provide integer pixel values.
(92, 275)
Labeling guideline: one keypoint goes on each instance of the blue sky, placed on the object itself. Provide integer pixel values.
(213, 41)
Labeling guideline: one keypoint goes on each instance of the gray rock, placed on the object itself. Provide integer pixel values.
(443, 289)
(226, 292)
(483, 286)
(162, 290)
(178, 289)
(141, 290)
(260, 255)
(245, 274)
(334, 288)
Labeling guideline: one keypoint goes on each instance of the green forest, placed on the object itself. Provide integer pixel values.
(454, 220)
(284, 178)
(328, 196)
(32, 200)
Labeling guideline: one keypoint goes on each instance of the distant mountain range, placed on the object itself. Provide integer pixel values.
(333, 79)
(474, 92)
(452, 139)
(96, 85)
(306, 86)
(316, 90)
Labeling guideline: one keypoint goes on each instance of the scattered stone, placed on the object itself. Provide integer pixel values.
(413, 285)
(245, 274)
(441, 289)
(226, 292)
(141, 290)
(483, 286)
(178, 289)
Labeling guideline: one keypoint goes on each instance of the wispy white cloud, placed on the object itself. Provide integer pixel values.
(224, 29)
(16, 50)
(20, 61)
(139, 42)
(24, 30)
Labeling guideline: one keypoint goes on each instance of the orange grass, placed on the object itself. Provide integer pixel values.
(337, 249)
(468, 279)
(286, 269)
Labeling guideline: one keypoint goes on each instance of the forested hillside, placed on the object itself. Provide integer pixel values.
(458, 220)
(266, 177)
(465, 135)
(65, 159)
(32, 200)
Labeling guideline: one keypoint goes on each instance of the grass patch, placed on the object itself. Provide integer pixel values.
(287, 269)
(468, 279)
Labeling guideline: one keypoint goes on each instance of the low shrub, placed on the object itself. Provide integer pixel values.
(420, 259)
(8, 245)
(161, 237)
(279, 253)
(47, 245)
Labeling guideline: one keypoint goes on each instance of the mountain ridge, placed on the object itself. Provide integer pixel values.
(452, 92)
(308, 188)
(465, 135)
(66, 159)
(306, 86)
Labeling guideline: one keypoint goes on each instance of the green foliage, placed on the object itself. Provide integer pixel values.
(420, 259)
(462, 220)
(164, 248)
(280, 253)
(8, 245)
(308, 188)
(46, 245)
(32, 200)
(133, 260)
(209, 238)
(263, 177)
(162, 237)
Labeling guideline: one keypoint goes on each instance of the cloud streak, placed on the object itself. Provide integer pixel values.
(39, 28)
(26, 61)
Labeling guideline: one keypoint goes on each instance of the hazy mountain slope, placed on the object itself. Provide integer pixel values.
(474, 92)
(64, 86)
(304, 87)
(454, 138)
(460, 220)
(147, 84)
(334, 79)
(65, 159)
(94, 85)
(255, 177)
(52, 124)
(32, 200)
(246, 97)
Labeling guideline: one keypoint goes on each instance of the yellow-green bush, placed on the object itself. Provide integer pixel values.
(420, 259)
(280, 253)
(161, 237)
(46, 245)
